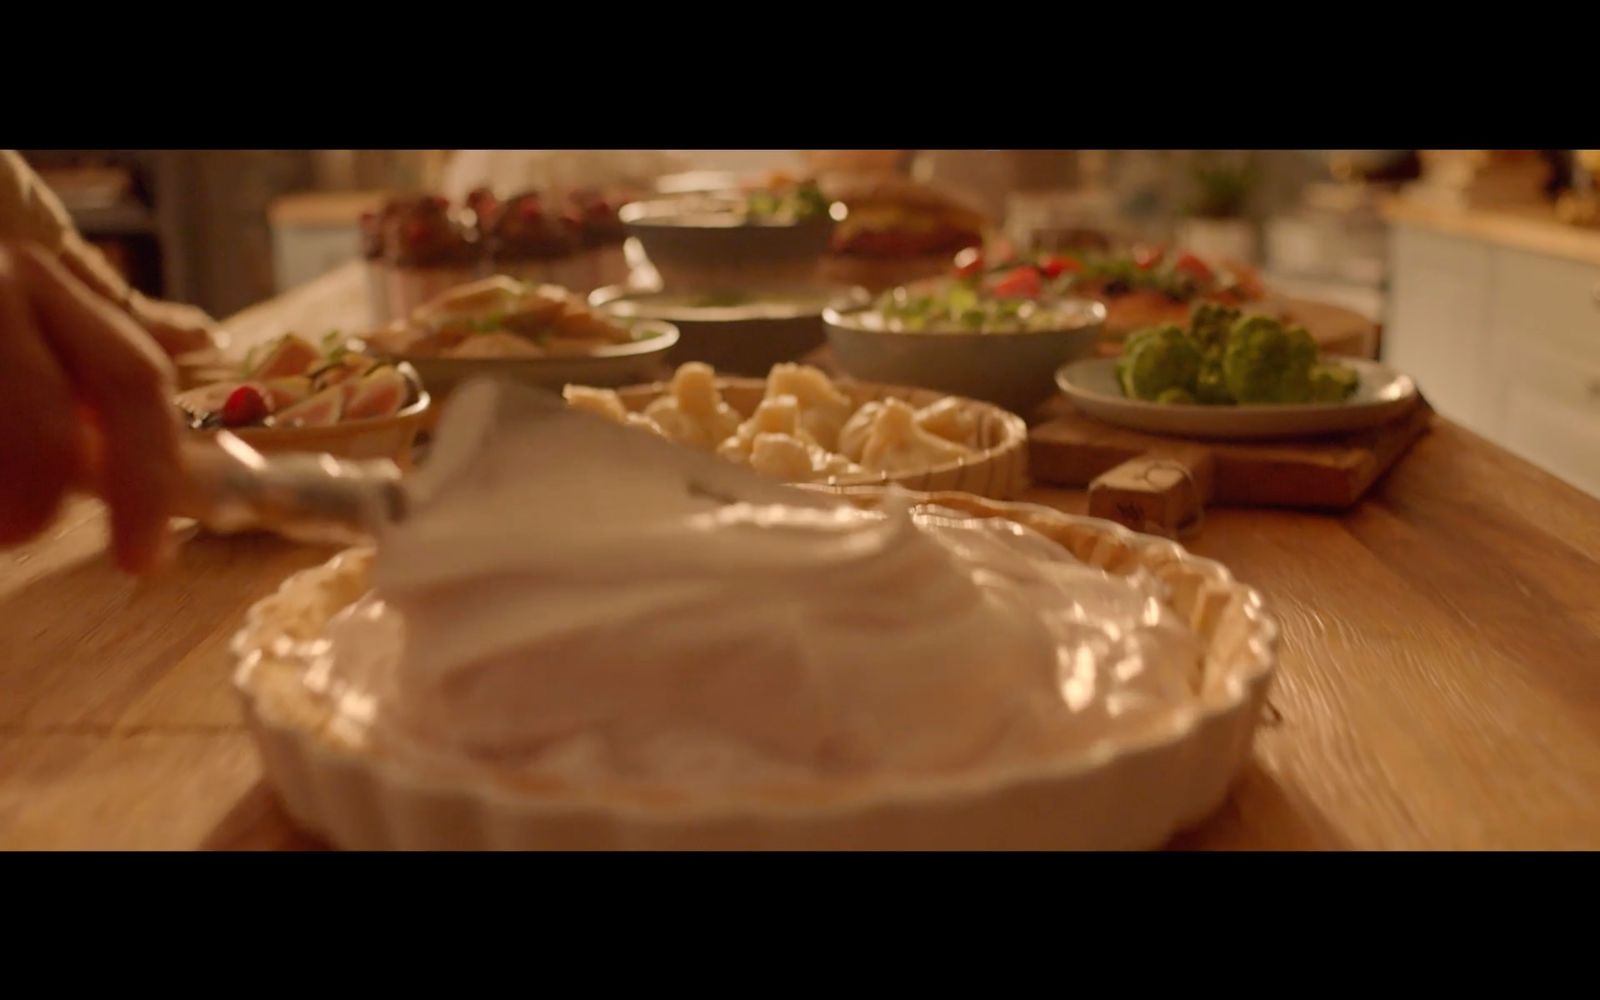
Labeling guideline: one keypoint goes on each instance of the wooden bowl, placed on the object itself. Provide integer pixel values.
(999, 470)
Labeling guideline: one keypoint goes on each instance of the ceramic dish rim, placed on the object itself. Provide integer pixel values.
(1254, 666)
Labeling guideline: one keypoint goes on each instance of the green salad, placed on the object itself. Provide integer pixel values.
(795, 204)
(961, 308)
(1228, 358)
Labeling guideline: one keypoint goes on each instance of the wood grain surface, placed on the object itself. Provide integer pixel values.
(1440, 683)
(1120, 467)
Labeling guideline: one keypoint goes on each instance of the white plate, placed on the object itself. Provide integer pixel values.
(1383, 395)
(621, 364)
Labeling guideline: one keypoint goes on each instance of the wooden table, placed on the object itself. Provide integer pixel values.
(1440, 683)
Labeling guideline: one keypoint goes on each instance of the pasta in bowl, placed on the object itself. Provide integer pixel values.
(798, 425)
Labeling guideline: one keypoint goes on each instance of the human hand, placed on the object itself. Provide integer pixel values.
(179, 329)
(85, 398)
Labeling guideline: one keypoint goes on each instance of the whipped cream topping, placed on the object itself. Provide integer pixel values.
(572, 597)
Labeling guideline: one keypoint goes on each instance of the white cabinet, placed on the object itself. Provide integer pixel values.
(1437, 330)
(1504, 341)
(1547, 300)
(314, 232)
(1562, 439)
(302, 254)
(1545, 331)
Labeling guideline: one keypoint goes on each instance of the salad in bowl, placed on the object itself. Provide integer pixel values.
(966, 341)
(964, 308)
(1139, 288)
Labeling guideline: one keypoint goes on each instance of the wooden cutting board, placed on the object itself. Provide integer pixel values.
(1162, 485)
(1336, 330)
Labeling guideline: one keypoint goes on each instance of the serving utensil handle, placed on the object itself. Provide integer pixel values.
(229, 487)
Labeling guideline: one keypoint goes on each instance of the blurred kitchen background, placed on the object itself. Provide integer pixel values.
(1481, 266)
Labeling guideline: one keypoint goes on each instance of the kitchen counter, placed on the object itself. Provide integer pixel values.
(1438, 687)
(1533, 228)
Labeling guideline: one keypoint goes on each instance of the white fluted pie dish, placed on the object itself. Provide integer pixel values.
(1130, 790)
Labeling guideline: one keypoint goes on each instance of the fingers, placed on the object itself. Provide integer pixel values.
(177, 341)
(179, 329)
(123, 378)
(39, 447)
(90, 267)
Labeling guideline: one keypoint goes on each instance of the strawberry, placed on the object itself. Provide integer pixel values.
(244, 407)
(1024, 283)
(1056, 266)
(1195, 268)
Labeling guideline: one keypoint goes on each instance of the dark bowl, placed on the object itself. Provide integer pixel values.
(1013, 370)
(744, 338)
(702, 242)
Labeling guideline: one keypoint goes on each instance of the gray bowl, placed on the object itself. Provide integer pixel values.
(743, 339)
(643, 360)
(1013, 370)
(698, 243)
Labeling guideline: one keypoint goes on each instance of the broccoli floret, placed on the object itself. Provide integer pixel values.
(1211, 388)
(1333, 383)
(1209, 323)
(809, 200)
(1124, 373)
(1267, 363)
(1129, 345)
(1157, 360)
(1133, 339)
(1176, 394)
(1296, 386)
